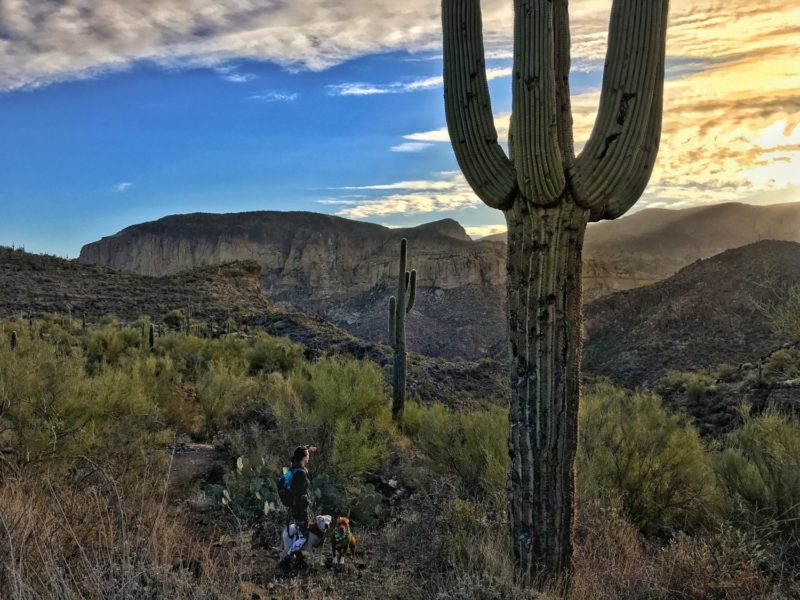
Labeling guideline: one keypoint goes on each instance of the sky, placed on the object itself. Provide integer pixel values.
(115, 112)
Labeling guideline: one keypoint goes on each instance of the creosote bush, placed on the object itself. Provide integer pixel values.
(269, 354)
(758, 471)
(631, 449)
(473, 445)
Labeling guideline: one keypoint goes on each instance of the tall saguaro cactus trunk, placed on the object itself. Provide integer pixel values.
(548, 195)
(399, 307)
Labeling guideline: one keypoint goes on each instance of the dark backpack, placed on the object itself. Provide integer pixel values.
(285, 486)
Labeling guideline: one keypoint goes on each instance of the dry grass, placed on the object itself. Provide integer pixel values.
(91, 538)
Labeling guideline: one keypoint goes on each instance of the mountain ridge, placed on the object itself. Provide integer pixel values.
(345, 271)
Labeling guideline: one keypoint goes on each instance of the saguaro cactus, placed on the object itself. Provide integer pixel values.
(399, 307)
(152, 337)
(548, 196)
(13, 341)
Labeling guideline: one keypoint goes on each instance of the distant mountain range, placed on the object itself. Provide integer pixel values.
(345, 270)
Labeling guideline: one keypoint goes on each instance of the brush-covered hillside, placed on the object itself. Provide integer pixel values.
(217, 300)
(705, 315)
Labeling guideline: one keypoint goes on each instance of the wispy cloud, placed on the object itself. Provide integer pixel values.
(401, 87)
(410, 147)
(481, 231)
(239, 77)
(230, 74)
(336, 202)
(123, 186)
(448, 192)
(274, 96)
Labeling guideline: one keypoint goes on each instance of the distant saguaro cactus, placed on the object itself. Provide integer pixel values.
(548, 195)
(399, 307)
(152, 337)
(13, 341)
(83, 322)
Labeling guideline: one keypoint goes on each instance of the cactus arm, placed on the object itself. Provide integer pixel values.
(400, 310)
(468, 106)
(412, 291)
(617, 161)
(561, 60)
(392, 321)
(537, 156)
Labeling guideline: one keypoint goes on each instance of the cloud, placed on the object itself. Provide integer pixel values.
(481, 231)
(42, 41)
(239, 77)
(418, 185)
(447, 193)
(123, 186)
(230, 74)
(274, 96)
(401, 87)
(731, 129)
(410, 147)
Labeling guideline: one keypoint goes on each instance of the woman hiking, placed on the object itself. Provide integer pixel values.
(299, 483)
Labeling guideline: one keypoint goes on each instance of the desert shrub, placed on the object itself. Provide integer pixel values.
(270, 354)
(175, 319)
(759, 472)
(696, 385)
(783, 363)
(783, 310)
(473, 445)
(108, 346)
(726, 372)
(344, 411)
(220, 390)
(191, 354)
(631, 448)
(178, 403)
(53, 411)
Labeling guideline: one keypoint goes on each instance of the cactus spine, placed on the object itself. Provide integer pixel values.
(548, 195)
(13, 341)
(399, 307)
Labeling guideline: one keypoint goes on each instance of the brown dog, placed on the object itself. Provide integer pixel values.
(342, 540)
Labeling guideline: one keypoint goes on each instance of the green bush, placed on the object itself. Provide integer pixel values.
(783, 363)
(758, 471)
(220, 391)
(632, 451)
(345, 412)
(695, 384)
(52, 411)
(270, 354)
(473, 445)
(175, 319)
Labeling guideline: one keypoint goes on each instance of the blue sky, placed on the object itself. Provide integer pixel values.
(99, 135)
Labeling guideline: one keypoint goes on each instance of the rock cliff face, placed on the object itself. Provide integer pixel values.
(344, 270)
(340, 269)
